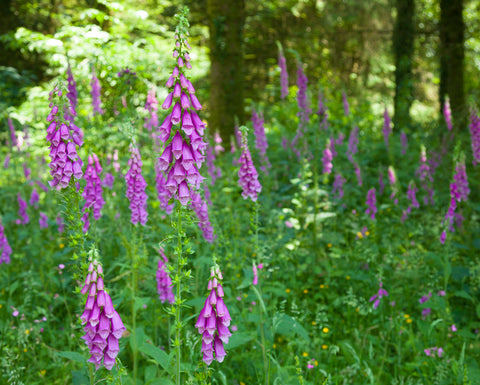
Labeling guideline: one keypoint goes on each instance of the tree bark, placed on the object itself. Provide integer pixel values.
(403, 46)
(226, 21)
(452, 55)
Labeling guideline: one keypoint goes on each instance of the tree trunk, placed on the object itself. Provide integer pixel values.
(452, 54)
(226, 22)
(403, 46)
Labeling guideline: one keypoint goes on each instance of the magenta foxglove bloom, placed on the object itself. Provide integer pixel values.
(5, 249)
(34, 198)
(214, 171)
(475, 136)
(261, 143)
(387, 126)
(43, 221)
(70, 109)
(327, 160)
(381, 293)
(164, 282)
(461, 180)
(151, 105)
(163, 193)
(432, 351)
(404, 142)
(447, 114)
(103, 325)
(282, 63)
(247, 175)
(96, 91)
(63, 136)
(22, 210)
(425, 176)
(93, 191)
(201, 210)
(255, 274)
(425, 298)
(392, 179)
(214, 320)
(352, 143)
(136, 186)
(13, 134)
(337, 185)
(182, 130)
(371, 203)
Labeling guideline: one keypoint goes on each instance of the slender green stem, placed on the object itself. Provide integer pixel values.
(178, 299)
(134, 313)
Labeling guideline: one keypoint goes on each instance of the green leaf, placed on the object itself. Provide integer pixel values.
(157, 354)
(288, 326)
(74, 356)
(463, 294)
(79, 377)
(239, 339)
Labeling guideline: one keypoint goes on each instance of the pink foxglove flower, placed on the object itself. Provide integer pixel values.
(352, 143)
(337, 189)
(214, 171)
(96, 91)
(151, 105)
(34, 198)
(13, 134)
(425, 176)
(5, 249)
(371, 203)
(201, 210)
(182, 130)
(164, 282)
(381, 293)
(63, 136)
(214, 320)
(475, 136)
(103, 325)
(327, 159)
(247, 175)
(447, 114)
(136, 186)
(43, 221)
(22, 210)
(70, 109)
(93, 191)
(261, 143)
(392, 179)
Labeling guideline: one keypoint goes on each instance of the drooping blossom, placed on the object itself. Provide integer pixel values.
(103, 325)
(43, 221)
(93, 191)
(387, 126)
(346, 106)
(327, 159)
(392, 180)
(371, 203)
(247, 175)
(22, 210)
(201, 210)
(34, 198)
(5, 249)
(461, 181)
(108, 180)
(412, 197)
(72, 95)
(425, 176)
(136, 186)
(322, 112)
(337, 185)
(381, 293)
(475, 136)
(282, 63)
(95, 92)
(255, 274)
(404, 142)
(218, 148)
(182, 129)
(214, 320)
(447, 114)
(261, 143)
(63, 136)
(352, 143)
(151, 105)
(164, 282)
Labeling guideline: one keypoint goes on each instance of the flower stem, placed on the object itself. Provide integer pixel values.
(178, 297)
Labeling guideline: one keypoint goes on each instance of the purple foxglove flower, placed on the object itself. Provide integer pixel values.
(201, 211)
(425, 298)
(168, 101)
(43, 221)
(151, 105)
(425, 176)
(5, 249)
(387, 126)
(177, 90)
(411, 195)
(93, 191)
(213, 321)
(327, 159)
(247, 175)
(475, 136)
(260, 139)
(34, 198)
(136, 186)
(392, 179)
(163, 193)
(103, 325)
(302, 97)
(22, 210)
(381, 293)
(337, 185)
(13, 134)
(447, 114)
(282, 63)
(187, 124)
(352, 143)
(164, 282)
(461, 181)
(96, 91)
(255, 274)
(214, 171)
(371, 203)
(70, 111)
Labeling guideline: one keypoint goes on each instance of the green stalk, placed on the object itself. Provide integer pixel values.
(178, 299)
(134, 314)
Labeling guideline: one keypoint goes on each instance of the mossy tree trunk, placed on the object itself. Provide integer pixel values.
(452, 55)
(403, 47)
(226, 22)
